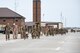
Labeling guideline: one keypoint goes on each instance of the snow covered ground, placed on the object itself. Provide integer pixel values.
(69, 43)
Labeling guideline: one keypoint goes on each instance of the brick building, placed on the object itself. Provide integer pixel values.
(57, 25)
(9, 16)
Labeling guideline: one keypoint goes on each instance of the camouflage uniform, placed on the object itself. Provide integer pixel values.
(15, 31)
(23, 32)
(33, 33)
(7, 31)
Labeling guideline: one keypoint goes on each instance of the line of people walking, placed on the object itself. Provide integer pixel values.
(35, 32)
(15, 30)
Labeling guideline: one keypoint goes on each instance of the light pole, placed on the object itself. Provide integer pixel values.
(65, 22)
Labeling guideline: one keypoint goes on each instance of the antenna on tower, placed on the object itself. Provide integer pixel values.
(65, 21)
(15, 10)
(61, 16)
(15, 3)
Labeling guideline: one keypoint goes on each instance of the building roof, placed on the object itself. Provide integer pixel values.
(49, 23)
(29, 23)
(37, 0)
(5, 12)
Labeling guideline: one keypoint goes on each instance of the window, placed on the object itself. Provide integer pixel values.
(4, 20)
(16, 20)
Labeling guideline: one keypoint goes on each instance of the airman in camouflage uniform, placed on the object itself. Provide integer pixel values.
(7, 31)
(33, 33)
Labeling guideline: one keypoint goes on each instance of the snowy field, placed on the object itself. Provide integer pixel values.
(69, 43)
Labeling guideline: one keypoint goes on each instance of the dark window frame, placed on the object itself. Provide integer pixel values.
(4, 20)
(16, 20)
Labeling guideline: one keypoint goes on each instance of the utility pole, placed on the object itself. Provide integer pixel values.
(15, 3)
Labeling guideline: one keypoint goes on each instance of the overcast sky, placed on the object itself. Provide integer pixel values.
(51, 9)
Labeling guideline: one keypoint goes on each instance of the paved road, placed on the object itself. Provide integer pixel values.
(69, 43)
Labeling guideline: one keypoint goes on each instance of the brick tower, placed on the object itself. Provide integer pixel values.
(37, 11)
(37, 16)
